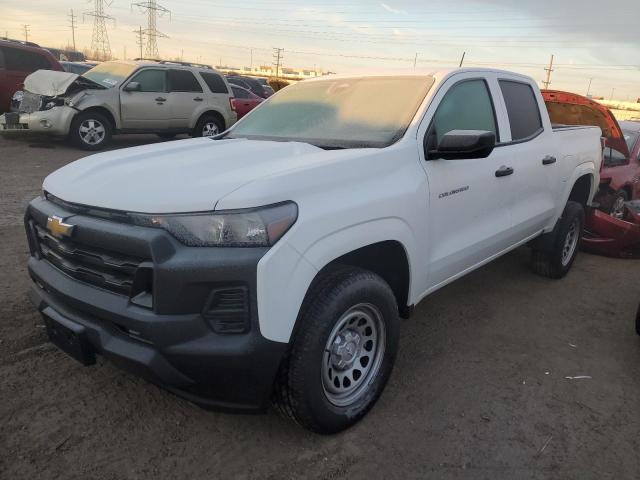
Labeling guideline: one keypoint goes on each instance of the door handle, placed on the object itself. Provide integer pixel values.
(197, 99)
(161, 99)
(548, 160)
(503, 171)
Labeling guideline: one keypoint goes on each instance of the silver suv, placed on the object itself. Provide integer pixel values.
(142, 96)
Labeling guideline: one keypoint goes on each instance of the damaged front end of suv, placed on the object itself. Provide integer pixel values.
(49, 101)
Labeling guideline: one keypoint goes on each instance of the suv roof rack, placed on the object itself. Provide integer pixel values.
(21, 42)
(174, 62)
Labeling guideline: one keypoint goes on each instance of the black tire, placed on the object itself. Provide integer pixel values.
(208, 120)
(82, 139)
(166, 136)
(548, 257)
(300, 392)
(617, 205)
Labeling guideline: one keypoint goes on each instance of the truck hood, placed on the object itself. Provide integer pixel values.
(51, 83)
(180, 176)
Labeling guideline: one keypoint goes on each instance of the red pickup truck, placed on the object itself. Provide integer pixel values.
(17, 60)
(620, 174)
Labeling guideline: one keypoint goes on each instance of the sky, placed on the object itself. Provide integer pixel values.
(592, 42)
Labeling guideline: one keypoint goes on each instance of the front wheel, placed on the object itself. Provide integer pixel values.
(343, 352)
(91, 131)
(555, 260)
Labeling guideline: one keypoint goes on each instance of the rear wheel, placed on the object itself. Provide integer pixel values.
(208, 126)
(343, 352)
(91, 131)
(563, 243)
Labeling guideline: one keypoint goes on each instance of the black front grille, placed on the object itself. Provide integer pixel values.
(106, 269)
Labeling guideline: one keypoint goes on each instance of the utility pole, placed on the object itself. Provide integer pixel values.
(589, 87)
(612, 92)
(251, 61)
(548, 69)
(153, 10)
(140, 40)
(100, 47)
(462, 59)
(26, 32)
(277, 56)
(415, 61)
(124, 53)
(72, 18)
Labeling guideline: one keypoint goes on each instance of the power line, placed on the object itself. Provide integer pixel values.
(72, 20)
(26, 32)
(100, 47)
(153, 10)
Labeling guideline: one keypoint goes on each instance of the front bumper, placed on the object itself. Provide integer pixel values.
(171, 343)
(56, 121)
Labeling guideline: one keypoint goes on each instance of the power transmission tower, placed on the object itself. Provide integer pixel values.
(100, 47)
(277, 56)
(548, 69)
(72, 18)
(140, 40)
(26, 32)
(154, 10)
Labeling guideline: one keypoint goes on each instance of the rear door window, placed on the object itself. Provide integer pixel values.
(151, 80)
(24, 60)
(183, 81)
(214, 82)
(522, 108)
(466, 106)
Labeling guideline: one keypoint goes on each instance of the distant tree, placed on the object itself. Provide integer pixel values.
(277, 83)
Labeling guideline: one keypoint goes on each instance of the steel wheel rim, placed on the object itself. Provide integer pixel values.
(617, 210)
(353, 354)
(210, 129)
(570, 242)
(92, 131)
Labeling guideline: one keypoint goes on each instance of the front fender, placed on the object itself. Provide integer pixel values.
(285, 273)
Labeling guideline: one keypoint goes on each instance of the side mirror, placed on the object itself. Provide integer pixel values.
(132, 87)
(464, 144)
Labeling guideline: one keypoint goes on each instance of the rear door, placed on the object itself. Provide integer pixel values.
(469, 200)
(146, 109)
(218, 95)
(244, 102)
(185, 97)
(531, 150)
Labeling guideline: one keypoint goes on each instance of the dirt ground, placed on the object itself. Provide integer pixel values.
(479, 391)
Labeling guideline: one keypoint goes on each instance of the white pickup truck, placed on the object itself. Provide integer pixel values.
(273, 263)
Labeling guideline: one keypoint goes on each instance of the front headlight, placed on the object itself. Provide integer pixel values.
(253, 227)
(54, 102)
(18, 96)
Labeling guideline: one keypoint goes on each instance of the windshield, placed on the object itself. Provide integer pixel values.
(338, 113)
(109, 74)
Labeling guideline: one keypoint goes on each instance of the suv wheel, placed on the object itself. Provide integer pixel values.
(91, 131)
(343, 352)
(208, 126)
(556, 260)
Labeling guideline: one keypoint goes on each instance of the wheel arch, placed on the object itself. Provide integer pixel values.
(215, 113)
(103, 111)
(582, 189)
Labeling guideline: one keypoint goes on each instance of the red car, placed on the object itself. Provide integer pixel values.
(245, 100)
(17, 60)
(620, 174)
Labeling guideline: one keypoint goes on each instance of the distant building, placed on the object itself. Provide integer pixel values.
(270, 71)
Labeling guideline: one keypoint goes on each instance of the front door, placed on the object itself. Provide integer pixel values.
(469, 199)
(146, 108)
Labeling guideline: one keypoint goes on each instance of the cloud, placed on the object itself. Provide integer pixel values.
(392, 10)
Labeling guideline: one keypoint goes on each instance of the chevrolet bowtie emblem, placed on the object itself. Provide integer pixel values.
(58, 228)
